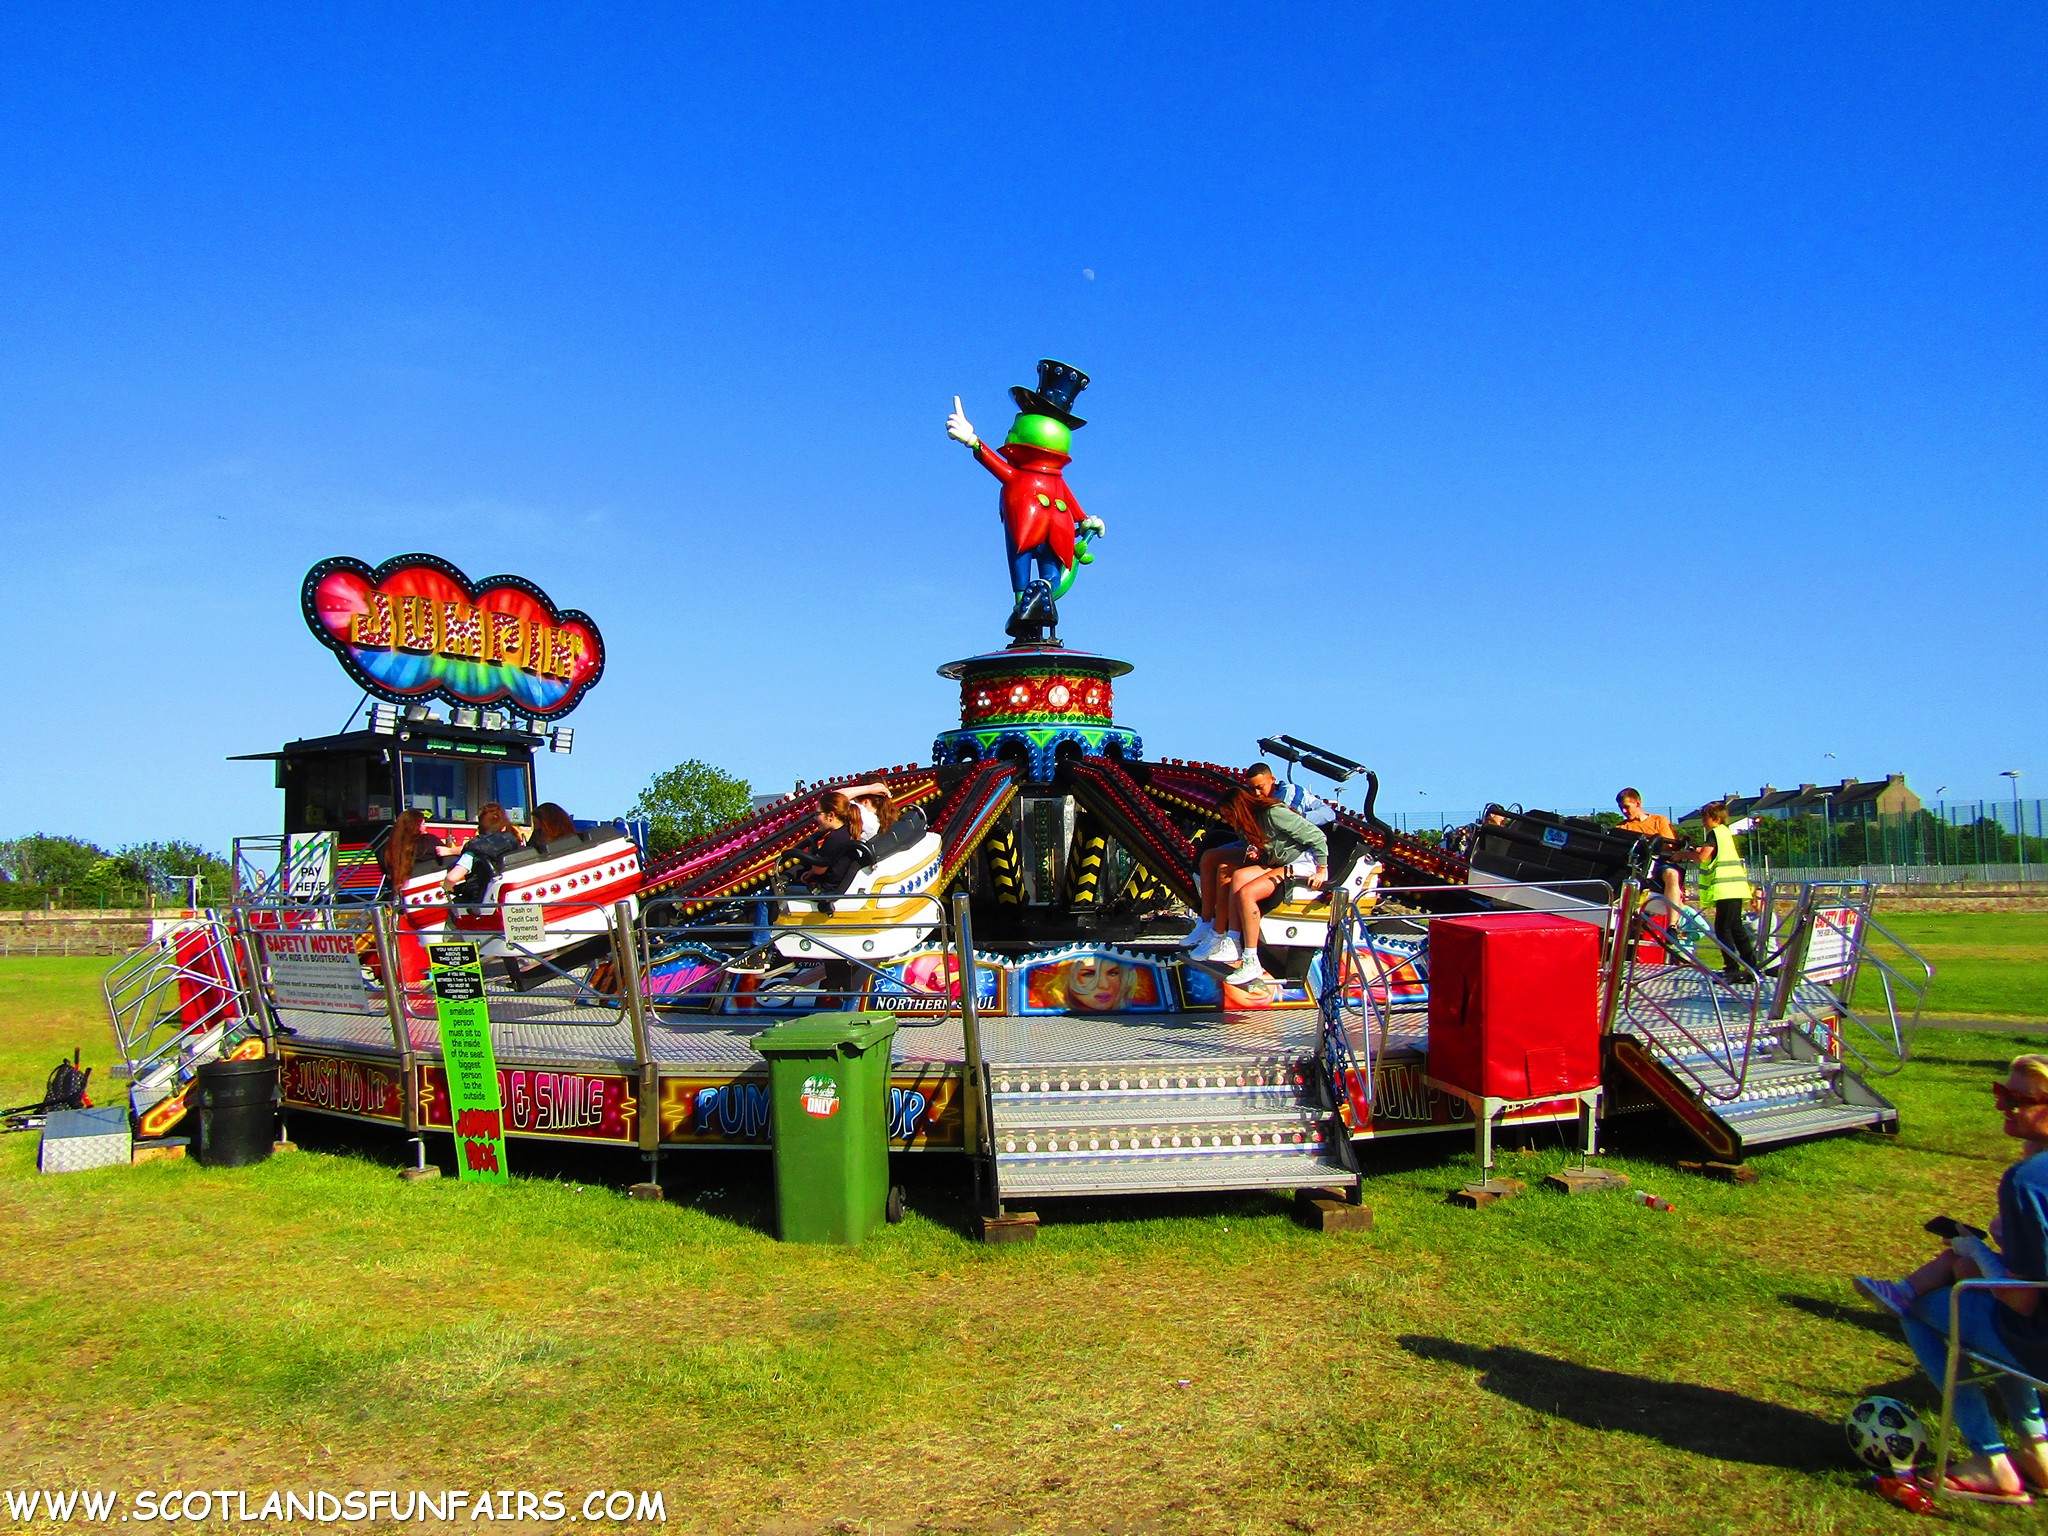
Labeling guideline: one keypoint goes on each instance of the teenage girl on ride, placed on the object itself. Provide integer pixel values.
(828, 864)
(1281, 846)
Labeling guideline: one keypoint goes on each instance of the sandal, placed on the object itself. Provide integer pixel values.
(1952, 1484)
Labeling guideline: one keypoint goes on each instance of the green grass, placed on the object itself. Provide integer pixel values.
(1545, 1364)
(1988, 965)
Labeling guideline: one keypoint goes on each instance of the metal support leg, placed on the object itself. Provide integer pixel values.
(401, 1037)
(625, 937)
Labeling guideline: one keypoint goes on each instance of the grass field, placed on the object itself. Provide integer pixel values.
(1988, 965)
(1553, 1364)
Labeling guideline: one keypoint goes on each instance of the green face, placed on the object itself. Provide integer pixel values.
(1041, 432)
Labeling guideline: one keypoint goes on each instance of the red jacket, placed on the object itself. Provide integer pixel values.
(1037, 506)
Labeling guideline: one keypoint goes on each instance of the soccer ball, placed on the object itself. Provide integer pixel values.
(1885, 1434)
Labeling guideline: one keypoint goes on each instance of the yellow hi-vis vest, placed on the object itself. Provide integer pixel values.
(1722, 877)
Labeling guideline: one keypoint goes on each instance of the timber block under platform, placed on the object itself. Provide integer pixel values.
(1473, 1196)
(1012, 1227)
(1727, 1173)
(646, 1192)
(1586, 1181)
(1324, 1210)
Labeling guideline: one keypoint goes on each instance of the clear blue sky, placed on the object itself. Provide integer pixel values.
(1525, 400)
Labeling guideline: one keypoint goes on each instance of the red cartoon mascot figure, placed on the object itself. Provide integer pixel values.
(1045, 529)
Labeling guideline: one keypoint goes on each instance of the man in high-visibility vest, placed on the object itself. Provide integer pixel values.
(1724, 886)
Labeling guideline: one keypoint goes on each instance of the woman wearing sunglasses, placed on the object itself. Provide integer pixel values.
(2008, 1325)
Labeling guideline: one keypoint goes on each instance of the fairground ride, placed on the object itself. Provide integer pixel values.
(1024, 916)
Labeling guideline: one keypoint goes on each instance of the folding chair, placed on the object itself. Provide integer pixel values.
(1983, 1368)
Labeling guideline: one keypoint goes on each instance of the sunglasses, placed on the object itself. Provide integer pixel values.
(2005, 1098)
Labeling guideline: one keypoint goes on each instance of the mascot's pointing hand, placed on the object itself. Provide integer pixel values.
(959, 428)
(1093, 527)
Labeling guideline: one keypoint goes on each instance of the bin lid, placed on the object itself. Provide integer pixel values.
(828, 1032)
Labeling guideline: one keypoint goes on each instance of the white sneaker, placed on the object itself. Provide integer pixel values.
(1199, 935)
(1220, 950)
(1248, 972)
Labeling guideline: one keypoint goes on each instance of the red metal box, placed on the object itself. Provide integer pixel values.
(1514, 1004)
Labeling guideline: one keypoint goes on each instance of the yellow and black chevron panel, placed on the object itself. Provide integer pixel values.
(1084, 869)
(1144, 887)
(1002, 865)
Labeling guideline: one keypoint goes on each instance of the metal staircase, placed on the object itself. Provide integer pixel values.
(1776, 1058)
(175, 1003)
(1163, 1126)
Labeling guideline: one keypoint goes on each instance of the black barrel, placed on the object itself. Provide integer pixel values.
(237, 1111)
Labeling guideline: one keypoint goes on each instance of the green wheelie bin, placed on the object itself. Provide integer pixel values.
(828, 1094)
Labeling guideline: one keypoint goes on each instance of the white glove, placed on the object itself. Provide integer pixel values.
(959, 428)
(1093, 527)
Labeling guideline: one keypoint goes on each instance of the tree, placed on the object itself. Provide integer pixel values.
(688, 801)
(168, 867)
(40, 859)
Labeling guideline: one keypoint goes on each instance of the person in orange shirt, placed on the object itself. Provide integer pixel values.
(1668, 877)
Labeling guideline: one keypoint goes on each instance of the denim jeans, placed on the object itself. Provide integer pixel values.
(1927, 1332)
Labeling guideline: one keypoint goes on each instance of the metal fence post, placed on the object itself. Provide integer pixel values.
(973, 1112)
(625, 936)
(401, 1030)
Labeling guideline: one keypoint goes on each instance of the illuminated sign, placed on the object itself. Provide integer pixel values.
(417, 628)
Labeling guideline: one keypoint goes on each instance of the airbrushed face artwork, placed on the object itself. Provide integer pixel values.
(928, 981)
(1102, 982)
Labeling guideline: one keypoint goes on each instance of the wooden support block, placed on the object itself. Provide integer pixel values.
(1318, 1212)
(1473, 1196)
(1011, 1227)
(415, 1175)
(1727, 1173)
(645, 1192)
(163, 1151)
(280, 1148)
(1586, 1181)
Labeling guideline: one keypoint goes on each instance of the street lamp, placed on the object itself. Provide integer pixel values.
(2019, 828)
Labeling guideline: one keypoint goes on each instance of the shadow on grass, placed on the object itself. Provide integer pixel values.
(1704, 1420)
(1869, 1319)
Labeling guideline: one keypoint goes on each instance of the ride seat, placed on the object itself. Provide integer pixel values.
(519, 856)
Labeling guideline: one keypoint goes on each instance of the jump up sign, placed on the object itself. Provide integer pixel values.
(417, 628)
(472, 1066)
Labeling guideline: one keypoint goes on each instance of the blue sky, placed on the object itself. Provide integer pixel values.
(1524, 400)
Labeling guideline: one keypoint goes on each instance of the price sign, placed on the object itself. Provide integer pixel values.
(526, 923)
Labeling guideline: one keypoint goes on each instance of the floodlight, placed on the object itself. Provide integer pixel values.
(464, 716)
(496, 720)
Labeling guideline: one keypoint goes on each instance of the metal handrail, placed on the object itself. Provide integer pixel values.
(750, 939)
(157, 1042)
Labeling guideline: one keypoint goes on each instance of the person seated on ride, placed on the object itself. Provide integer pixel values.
(874, 812)
(829, 863)
(1462, 842)
(1280, 846)
(1665, 876)
(406, 847)
(551, 824)
(482, 856)
(2004, 1325)
(1220, 863)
